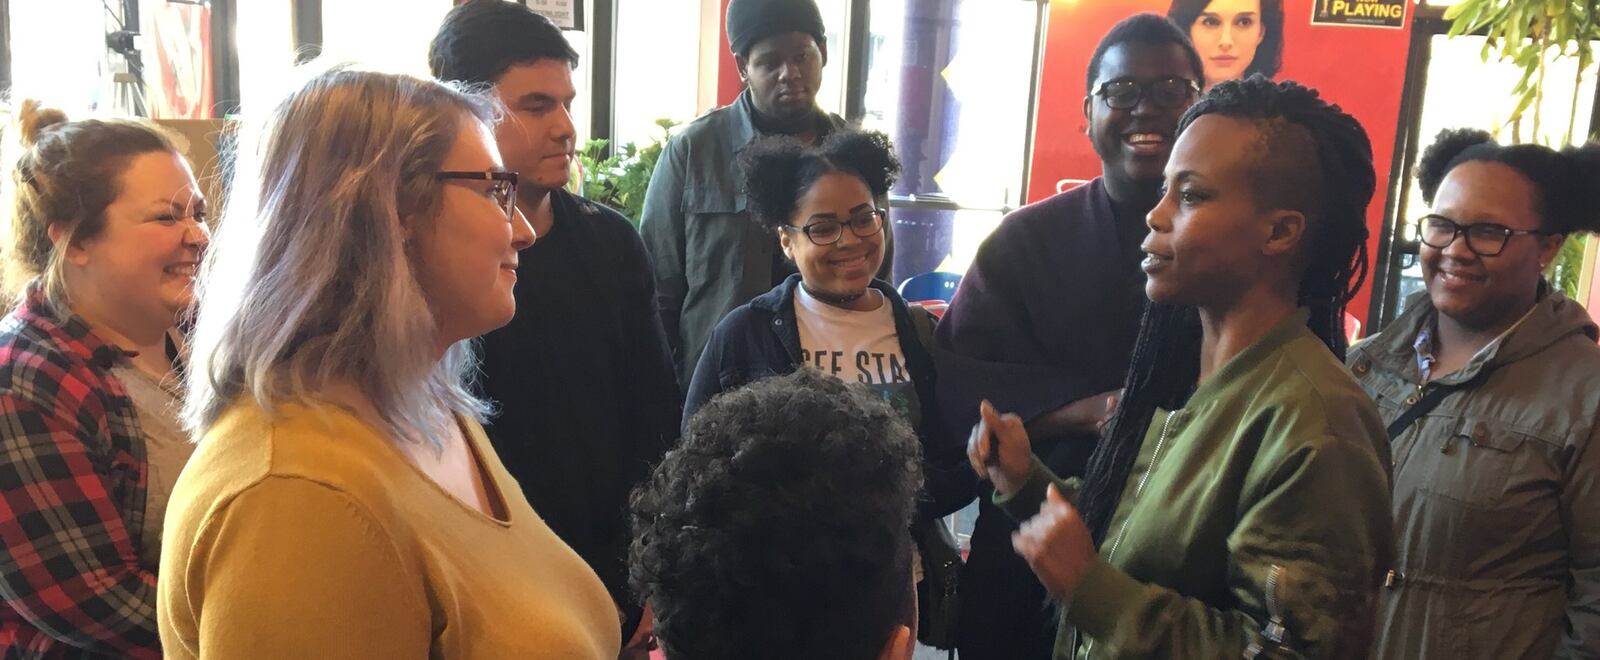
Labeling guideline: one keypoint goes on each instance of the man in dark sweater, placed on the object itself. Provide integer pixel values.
(582, 375)
(1045, 319)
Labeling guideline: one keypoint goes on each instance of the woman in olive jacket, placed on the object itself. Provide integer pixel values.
(1238, 503)
(1490, 382)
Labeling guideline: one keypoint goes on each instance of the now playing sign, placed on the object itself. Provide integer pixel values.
(1360, 13)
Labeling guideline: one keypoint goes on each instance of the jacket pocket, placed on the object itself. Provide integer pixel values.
(1472, 463)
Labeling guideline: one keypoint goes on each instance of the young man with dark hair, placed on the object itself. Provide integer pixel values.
(777, 529)
(709, 256)
(582, 375)
(1045, 319)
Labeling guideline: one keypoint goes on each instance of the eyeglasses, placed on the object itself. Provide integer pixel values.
(502, 186)
(1484, 239)
(828, 232)
(1167, 93)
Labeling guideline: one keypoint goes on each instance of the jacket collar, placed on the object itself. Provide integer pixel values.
(780, 299)
(743, 127)
(1553, 317)
(1290, 328)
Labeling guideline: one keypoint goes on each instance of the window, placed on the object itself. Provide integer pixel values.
(390, 35)
(950, 83)
(394, 35)
(266, 53)
(59, 56)
(658, 65)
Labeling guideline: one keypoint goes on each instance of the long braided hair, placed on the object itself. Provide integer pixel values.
(1311, 157)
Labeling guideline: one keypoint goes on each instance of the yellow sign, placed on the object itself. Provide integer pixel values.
(1361, 13)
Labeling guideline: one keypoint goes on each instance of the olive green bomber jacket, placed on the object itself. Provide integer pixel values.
(1255, 521)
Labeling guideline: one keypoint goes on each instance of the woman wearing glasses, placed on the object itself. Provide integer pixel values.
(1490, 384)
(344, 501)
(833, 316)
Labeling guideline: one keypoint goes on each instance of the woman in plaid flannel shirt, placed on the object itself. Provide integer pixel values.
(107, 232)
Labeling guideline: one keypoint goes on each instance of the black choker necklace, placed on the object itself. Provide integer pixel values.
(833, 298)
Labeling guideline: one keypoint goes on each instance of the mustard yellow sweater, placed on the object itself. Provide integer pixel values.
(309, 535)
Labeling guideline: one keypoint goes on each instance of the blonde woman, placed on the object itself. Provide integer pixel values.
(343, 501)
(108, 227)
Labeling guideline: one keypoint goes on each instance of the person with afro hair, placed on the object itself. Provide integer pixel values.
(1490, 383)
(834, 316)
(777, 528)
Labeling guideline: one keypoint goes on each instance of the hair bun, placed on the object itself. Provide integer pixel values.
(1436, 159)
(769, 167)
(1584, 163)
(33, 120)
(870, 153)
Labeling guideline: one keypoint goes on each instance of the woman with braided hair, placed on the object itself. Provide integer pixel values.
(1490, 384)
(1238, 499)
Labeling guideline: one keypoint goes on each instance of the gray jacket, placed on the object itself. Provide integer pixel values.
(708, 254)
(1496, 492)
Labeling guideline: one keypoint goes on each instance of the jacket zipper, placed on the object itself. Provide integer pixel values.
(1274, 635)
(1155, 460)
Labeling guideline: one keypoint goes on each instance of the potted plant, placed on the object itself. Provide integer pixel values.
(619, 180)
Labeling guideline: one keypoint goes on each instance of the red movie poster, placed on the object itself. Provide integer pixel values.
(1361, 67)
(178, 61)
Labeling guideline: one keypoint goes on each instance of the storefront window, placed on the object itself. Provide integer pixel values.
(266, 53)
(59, 56)
(658, 65)
(950, 82)
(394, 35)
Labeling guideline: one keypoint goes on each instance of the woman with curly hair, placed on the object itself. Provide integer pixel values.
(833, 316)
(776, 529)
(1490, 384)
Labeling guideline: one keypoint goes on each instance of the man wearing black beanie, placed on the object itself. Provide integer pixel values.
(709, 256)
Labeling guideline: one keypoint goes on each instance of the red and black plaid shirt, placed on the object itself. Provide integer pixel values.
(72, 491)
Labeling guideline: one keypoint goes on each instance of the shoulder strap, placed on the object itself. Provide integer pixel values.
(922, 322)
(1428, 402)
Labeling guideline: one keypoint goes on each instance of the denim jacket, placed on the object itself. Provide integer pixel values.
(1496, 491)
(762, 339)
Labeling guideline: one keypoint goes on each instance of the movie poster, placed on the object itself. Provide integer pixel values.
(1358, 65)
(177, 61)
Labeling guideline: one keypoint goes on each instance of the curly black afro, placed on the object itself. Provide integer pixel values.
(778, 170)
(1567, 181)
(778, 527)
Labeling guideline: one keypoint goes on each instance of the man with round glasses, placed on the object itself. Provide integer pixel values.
(1045, 320)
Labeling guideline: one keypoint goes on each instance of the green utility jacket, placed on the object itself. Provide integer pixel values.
(1496, 491)
(1255, 522)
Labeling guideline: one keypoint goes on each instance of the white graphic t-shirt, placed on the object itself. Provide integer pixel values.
(857, 347)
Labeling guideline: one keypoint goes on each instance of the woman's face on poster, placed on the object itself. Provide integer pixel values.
(1227, 35)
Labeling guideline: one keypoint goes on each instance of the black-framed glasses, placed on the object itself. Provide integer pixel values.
(1485, 239)
(1167, 93)
(828, 232)
(502, 186)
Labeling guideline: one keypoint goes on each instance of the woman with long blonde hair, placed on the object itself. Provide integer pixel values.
(343, 501)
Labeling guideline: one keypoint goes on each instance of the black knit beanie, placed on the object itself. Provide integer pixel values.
(750, 21)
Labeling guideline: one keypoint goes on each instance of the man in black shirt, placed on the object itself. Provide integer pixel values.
(582, 375)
